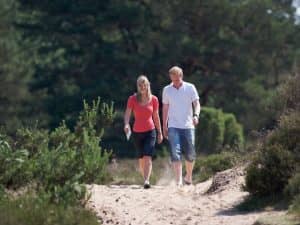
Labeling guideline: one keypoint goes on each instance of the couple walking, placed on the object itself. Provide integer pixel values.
(181, 109)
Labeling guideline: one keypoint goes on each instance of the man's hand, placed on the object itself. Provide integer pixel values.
(165, 132)
(195, 120)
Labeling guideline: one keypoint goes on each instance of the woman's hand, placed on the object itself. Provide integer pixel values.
(126, 128)
(159, 138)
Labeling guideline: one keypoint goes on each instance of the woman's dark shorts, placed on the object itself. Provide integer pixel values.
(145, 143)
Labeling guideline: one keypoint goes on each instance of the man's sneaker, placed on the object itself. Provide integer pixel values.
(147, 185)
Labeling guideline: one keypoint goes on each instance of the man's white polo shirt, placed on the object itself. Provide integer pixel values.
(180, 114)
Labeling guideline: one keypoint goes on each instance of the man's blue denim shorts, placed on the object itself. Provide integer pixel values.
(182, 142)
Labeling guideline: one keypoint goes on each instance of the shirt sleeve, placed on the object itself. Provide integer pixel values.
(155, 103)
(194, 94)
(130, 103)
(165, 98)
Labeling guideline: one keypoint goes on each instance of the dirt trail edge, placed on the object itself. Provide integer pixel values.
(207, 203)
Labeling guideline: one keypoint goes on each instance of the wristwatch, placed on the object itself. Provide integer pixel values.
(196, 115)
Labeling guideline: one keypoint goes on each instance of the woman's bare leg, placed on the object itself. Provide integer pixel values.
(141, 166)
(147, 167)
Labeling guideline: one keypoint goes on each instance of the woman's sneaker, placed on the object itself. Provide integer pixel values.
(147, 185)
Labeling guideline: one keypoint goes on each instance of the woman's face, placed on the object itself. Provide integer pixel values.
(142, 87)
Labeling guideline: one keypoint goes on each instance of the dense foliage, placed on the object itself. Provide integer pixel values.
(217, 131)
(59, 162)
(206, 167)
(276, 166)
(53, 54)
(33, 210)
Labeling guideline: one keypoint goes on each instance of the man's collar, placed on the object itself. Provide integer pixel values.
(181, 85)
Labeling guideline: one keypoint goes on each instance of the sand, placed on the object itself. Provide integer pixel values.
(209, 203)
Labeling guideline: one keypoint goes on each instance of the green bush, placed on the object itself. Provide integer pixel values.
(295, 206)
(233, 135)
(288, 133)
(210, 135)
(274, 170)
(31, 210)
(292, 191)
(116, 139)
(270, 171)
(289, 95)
(16, 168)
(206, 167)
(74, 157)
(218, 130)
(293, 187)
(59, 162)
(32, 139)
(2, 193)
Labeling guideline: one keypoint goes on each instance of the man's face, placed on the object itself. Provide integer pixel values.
(176, 78)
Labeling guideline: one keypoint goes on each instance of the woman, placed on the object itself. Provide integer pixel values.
(145, 108)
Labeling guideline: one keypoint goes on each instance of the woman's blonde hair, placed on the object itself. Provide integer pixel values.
(142, 79)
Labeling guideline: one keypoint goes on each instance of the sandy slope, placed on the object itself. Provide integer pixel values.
(208, 203)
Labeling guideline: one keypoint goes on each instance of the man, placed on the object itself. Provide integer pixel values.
(181, 109)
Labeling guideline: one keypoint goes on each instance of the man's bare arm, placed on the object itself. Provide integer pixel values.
(165, 120)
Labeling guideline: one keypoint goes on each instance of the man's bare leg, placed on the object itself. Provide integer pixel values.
(189, 171)
(177, 165)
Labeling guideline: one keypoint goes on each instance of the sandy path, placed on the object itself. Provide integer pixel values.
(169, 204)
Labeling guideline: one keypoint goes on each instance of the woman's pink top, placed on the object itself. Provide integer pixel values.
(143, 113)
